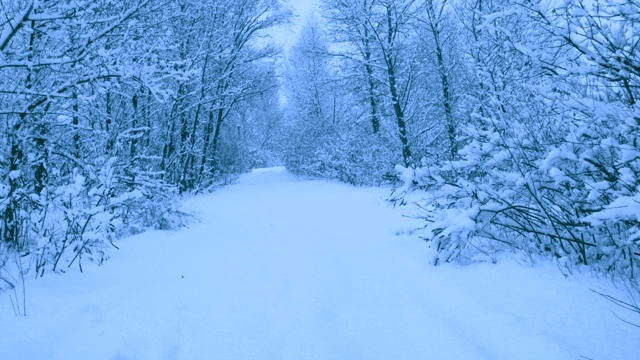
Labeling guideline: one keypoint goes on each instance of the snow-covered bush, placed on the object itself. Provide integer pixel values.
(577, 202)
(355, 159)
(362, 160)
(551, 164)
(80, 219)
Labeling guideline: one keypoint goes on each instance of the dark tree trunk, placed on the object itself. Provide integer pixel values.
(447, 101)
(393, 89)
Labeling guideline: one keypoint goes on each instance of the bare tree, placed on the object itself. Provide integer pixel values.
(378, 31)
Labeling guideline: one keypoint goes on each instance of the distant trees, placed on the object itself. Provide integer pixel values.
(375, 35)
(332, 132)
(347, 23)
(396, 63)
(314, 104)
(439, 43)
(108, 109)
(226, 79)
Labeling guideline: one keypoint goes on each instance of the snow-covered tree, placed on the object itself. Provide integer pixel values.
(550, 161)
(109, 108)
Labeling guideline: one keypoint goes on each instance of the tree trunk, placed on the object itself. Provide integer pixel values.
(375, 120)
(447, 101)
(393, 89)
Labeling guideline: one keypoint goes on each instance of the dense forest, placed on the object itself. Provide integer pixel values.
(111, 109)
(513, 124)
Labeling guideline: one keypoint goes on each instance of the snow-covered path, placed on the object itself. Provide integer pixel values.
(286, 269)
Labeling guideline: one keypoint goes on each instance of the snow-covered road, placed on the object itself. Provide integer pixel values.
(284, 269)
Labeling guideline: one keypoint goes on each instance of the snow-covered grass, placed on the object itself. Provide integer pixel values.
(286, 269)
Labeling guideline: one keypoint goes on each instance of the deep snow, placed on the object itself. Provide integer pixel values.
(285, 269)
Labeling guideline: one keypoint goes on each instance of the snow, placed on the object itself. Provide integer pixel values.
(624, 207)
(285, 269)
(11, 27)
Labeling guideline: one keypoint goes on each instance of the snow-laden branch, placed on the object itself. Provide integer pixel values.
(12, 27)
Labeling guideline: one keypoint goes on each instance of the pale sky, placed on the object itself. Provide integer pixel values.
(287, 35)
